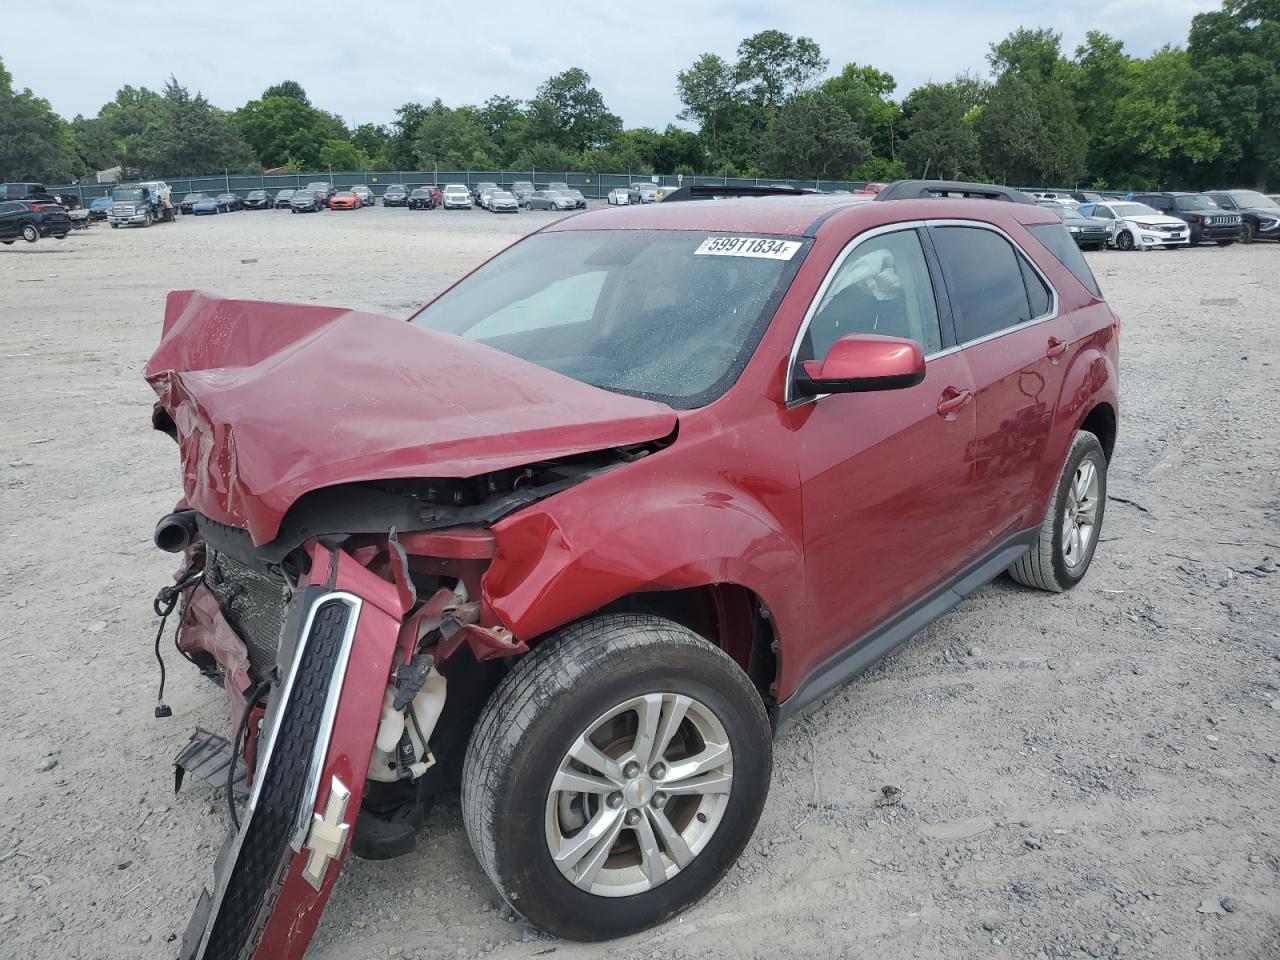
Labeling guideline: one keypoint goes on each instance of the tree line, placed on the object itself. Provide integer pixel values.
(1202, 114)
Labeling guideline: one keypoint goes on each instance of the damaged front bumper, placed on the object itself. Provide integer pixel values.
(274, 875)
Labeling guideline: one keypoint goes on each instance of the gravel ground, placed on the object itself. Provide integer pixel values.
(1091, 774)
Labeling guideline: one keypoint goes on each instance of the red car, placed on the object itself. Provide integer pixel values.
(584, 541)
(344, 200)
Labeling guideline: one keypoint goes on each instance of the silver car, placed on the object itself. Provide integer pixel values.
(503, 201)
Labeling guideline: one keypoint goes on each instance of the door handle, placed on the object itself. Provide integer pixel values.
(952, 400)
(1056, 348)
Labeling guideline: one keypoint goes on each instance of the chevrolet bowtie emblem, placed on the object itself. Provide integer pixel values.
(328, 834)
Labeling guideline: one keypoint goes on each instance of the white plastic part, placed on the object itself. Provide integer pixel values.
(426, 706)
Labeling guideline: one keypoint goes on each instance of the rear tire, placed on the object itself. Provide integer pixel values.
(30, 233)
(1062, 555)
(663, 851)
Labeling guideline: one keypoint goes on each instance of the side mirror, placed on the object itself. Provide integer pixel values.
(861, 363)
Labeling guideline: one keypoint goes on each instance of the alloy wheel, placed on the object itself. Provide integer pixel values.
(639, 794)
(1080, 514)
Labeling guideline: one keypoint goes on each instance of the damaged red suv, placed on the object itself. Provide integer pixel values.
(594, 524)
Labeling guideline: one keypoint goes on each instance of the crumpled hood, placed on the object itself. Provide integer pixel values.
(273, 400)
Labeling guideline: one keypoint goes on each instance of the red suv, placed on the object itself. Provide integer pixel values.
(603, 517)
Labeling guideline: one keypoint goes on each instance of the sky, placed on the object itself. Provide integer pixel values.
(363, 65)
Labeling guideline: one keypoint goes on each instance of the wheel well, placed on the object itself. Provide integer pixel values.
(732, 617)
(1101, 422)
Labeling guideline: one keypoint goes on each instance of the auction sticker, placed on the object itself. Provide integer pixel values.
(748, 247)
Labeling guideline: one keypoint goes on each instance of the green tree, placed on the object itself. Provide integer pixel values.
(507, 121)
(1103, 74)
(811, 136)
(773, 66)
(373, 141)
(115, 136)
(189, 136)
(450, 137)
(939, 128)
(342, 155)
(570, 113)
(289, 88)
(866, 94)
(34, 141)
(278, 129)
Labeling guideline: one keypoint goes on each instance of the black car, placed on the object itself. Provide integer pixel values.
(190, 200)
(282, 197)
(422, 198)
(1261, 214)
(479, 188)
(258, 200)
(32, 219)
(99, 206)
(307, 201)
(323, 189)
(1089, 234)
(232, 200)
(1208, 221)
(396, 195)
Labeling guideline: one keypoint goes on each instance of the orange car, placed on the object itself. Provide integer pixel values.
(344, 200)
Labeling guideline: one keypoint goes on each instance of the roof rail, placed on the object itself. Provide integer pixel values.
(925, 189)
(711, 191)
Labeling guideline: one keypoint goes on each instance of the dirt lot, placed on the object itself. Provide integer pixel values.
(1092, 774)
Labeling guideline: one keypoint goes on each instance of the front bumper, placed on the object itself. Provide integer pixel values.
(1205, 234)
(126, 219)
(276, 872)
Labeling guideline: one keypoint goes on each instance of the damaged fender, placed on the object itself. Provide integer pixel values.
(274, 876)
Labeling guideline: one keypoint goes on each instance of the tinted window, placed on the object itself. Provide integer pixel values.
(1194, 203)
(1058, 241)
(882, 287)
(984, 279)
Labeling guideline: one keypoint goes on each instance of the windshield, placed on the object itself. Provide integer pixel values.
(192, 196)
(669, 315)
(1133, 210)
(1194, 203)
(1250, 198)
(126, 194)
(1070, 213)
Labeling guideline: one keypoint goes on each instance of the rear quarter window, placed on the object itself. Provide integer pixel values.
(1055, 238)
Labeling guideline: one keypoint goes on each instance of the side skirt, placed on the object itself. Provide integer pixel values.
(883, 639)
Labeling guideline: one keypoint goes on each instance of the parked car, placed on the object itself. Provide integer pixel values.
(24, 191)
(231, 201)
(619, 197)
(307, 201)
(424, 198)
(189, 201)
(323, 189)
(503, 201)
(643, 193)
(549, 200)
(589, 540)
(99, 206)
(1088, 233)
(579, 201)
(479, 188)
(556, 185)
(396, 195)
(283, 197)
(522, 189)
(207, 205)
(485, 193)
(456, 197)
(367, 199)
(1136, 226)
(344, 200)
(1066, 199)
(30, 220)
(1086, 196)
(1259, 213)
(258, 200)
(1207, 221)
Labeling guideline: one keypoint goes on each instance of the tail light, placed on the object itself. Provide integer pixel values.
(37, 207)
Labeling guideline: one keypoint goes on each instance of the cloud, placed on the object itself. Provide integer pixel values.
(363, 66)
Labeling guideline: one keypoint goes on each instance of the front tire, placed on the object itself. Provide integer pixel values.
(1069, 534)
(1124, 240)
(615, 775)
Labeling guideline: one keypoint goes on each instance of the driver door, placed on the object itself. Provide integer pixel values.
(884, 475)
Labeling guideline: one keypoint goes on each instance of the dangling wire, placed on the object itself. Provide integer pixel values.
(163, 605)
(250, 702)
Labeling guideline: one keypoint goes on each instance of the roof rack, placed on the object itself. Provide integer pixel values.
(711, 191)
(925, 189)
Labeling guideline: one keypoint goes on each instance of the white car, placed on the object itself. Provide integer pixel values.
(1135, 226)
(619, 197)
(456, 197)
(1063, 198)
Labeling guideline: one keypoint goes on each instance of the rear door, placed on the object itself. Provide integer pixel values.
(883, 475)
(1014, 335)
(10, 216)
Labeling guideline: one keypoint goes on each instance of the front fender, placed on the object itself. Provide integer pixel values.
(632, 532)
